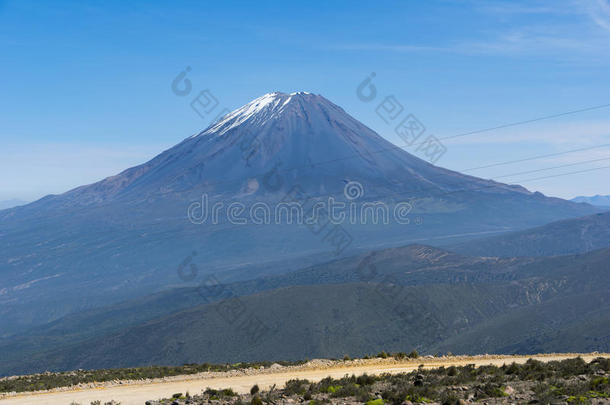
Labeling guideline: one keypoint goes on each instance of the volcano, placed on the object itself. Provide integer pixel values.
(300, 138)
(128, 234)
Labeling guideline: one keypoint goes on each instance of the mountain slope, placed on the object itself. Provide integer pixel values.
(420, 297)
(11, 203)
(311, 321)
(126, 235)
(409, 265)
(570, 236)
(597, 200)
(294, 131)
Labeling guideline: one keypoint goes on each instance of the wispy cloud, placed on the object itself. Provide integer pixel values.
(599, 11)
(565, 30)
(501, 7)
(514, 43)
(389, 47)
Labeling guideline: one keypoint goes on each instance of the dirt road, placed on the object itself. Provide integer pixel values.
(138, 393)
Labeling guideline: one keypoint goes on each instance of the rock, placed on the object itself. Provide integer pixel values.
(509, 390)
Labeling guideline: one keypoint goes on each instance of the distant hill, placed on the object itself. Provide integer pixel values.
(420, 297)
(413, 264)
(570, 236)
(6, 204)
(598, 200)
(124, 236)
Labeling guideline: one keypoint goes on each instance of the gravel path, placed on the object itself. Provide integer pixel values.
(132, 393)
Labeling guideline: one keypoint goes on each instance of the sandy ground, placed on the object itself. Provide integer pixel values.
(138, 393)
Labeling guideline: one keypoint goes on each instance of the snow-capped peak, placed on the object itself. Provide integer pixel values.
(262, 109)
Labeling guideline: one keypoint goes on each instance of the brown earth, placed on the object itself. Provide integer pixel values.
(137, 392)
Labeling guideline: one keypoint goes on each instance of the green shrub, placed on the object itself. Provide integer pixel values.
(449, 397)
(331, 389)
(365, 379)
(256, 400)
(599, 382)
(543, 393)
(350, 390)
(296, 386)
(210, 391)
(254, 390)
(228, 392)
(577, 400)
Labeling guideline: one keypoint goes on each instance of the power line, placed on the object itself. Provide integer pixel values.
(513, 124)
(550, 168)
(401, 147)
(497, 177)
(565, 174)
(488, 186)
(535, 157)
(498, 185)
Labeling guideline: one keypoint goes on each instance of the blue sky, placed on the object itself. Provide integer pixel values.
(87, 85)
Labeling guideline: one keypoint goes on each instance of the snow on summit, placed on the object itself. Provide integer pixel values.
(264, 108)
(306, 138)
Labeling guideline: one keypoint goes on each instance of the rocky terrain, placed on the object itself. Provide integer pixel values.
(571, 381)
(232, 383)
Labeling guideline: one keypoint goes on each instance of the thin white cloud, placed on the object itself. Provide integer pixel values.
(501, 7)
(599, 11)
(390, 47)
(568, 30)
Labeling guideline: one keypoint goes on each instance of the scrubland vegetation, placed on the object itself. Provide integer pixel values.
(572, 381)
